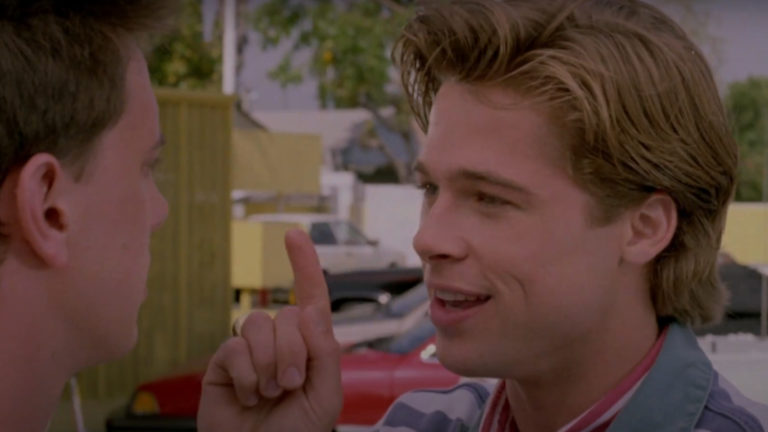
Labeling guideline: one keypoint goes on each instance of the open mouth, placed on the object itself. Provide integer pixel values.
(456, 301)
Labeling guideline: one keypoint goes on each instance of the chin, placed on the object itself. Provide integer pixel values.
(118, 346)
(461, 360)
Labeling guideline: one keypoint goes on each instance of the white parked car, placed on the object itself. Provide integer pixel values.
(341, 245)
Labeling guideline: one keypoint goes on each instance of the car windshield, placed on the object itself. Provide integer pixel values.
(321, 234)
(398, 307)
(408, 301)
(348, 234)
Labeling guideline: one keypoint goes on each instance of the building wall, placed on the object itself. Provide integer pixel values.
(390, 214)
(281, 163)
(746, 233)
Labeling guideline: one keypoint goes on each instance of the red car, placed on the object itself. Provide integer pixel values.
(374, 374)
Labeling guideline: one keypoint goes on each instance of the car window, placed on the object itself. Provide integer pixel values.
(348, 234)
(408, 301)
(321, 234)
(413, 338)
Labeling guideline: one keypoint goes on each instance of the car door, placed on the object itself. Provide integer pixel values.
(421, 370)
(332, 256)
(358, 251)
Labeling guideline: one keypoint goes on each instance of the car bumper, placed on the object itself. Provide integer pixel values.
(121, 422)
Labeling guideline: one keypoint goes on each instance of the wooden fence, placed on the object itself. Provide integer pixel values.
(186, 315)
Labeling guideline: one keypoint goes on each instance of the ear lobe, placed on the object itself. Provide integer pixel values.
(42, 216)
(651, 227)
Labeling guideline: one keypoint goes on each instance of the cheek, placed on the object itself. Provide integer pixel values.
(538, 263)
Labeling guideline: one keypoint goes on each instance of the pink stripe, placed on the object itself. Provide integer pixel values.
(505, 418)
(492, 413)
(498, 415)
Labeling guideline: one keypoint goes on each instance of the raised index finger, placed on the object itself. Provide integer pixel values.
(309, 282)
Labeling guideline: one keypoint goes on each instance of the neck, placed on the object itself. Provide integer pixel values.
(33, 369)
(591, 367)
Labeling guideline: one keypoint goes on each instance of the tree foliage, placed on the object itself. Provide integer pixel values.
(349, 44)
(350, 40)
(182, 59)
(747, 105)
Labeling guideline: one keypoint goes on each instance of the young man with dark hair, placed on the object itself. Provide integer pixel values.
(79, 136)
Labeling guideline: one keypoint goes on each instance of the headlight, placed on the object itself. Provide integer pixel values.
(384, 298)
(144, 403)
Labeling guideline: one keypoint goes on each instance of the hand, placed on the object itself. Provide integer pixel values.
(279, 375)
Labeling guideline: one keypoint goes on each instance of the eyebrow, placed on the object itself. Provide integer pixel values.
(479, 177)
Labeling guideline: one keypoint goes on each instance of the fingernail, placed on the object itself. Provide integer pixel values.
(291, 378)
(252, 400)
(273, 389)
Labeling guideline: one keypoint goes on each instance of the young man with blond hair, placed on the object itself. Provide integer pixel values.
(576, 175)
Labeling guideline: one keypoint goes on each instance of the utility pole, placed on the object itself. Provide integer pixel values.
(763, 279)
(229, 48)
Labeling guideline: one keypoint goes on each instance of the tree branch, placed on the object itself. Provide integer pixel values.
(380, 118)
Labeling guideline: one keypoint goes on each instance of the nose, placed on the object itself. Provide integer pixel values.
(159, 209)
(439, 236)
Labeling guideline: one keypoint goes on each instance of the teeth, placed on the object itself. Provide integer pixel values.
(454, 296)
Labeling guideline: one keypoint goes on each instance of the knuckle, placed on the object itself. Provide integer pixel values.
(232, 346)
(288, 314)
(256, 321)
(246, 381)
(264, 362)
(290, 349)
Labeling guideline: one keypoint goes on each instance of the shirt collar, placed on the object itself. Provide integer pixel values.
(498, 414)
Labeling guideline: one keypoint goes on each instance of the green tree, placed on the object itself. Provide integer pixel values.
(182, 59)
(747, 105)
(349, 42)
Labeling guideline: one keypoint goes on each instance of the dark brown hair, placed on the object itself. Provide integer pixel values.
(62, 72)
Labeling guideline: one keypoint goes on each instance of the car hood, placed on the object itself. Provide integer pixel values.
(368, 360)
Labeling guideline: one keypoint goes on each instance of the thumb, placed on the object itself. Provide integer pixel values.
(324, 357)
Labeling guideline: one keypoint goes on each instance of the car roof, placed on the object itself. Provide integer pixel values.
(302, 218)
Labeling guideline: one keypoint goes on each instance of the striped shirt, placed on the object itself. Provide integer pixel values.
(498, 415)
(680, 392)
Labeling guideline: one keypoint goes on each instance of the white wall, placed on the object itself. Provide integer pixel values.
(743, 360)
(391, 215)
(340, 186)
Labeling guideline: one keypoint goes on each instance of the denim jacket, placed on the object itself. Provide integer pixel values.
(681, 392)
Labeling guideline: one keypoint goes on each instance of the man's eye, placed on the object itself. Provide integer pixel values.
(430, 189)
(490, 200)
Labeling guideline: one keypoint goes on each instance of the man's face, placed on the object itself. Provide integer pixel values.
(118, 207)
(518, 274)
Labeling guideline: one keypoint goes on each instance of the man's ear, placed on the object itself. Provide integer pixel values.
(41, 209)
(651, 227)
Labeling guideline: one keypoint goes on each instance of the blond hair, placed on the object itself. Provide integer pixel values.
(636, 95)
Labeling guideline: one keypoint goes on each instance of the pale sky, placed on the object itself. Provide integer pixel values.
(741, 26)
